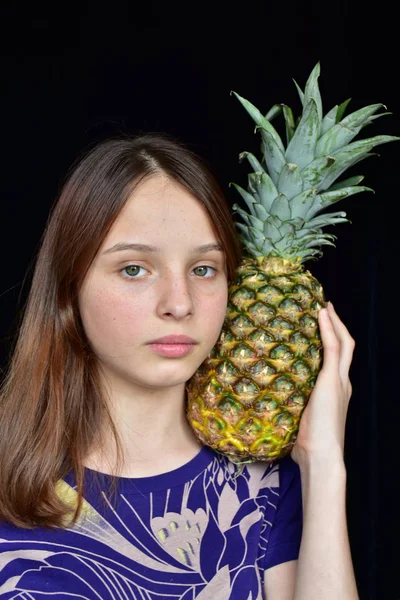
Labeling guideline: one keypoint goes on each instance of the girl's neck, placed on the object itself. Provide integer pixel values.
(155, 437)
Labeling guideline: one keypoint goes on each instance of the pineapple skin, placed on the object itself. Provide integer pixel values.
(246, 399)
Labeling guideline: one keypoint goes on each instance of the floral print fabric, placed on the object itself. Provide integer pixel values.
(204, 531)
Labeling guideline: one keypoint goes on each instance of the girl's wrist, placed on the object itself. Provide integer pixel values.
(323, 467)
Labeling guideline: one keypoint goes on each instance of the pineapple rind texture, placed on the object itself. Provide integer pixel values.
(246, 399)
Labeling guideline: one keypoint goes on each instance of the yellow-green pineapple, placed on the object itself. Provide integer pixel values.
(247, 398)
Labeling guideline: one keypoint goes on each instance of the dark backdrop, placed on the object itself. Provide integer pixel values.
(73, 74)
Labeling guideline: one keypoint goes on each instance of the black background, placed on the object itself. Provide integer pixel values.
(73, 74)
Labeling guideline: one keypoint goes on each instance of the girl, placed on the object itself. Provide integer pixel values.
(104, 490)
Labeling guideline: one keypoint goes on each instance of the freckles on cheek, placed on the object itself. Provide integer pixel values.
(216, 306)
(114, 315)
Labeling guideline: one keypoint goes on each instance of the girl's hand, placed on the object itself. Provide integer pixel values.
(321, 433)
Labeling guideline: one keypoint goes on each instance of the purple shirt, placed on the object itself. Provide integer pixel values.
(195, 532)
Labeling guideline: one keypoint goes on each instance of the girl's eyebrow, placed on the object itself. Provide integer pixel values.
(121, 246)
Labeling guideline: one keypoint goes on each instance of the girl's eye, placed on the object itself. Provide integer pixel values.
(135, 271)
(204, 271)
(132, 271)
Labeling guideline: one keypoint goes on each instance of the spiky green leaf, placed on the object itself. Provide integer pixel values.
(289, 122)
(341, 110)
(280, 208)
(328, 219)
(304, 233)
(311, 91)
(256, 223)
(329, 120)
(248, 244)
(355, 180)
(320, 242)
(271, 231)
(245, 215)
(273, 112)
(374, 117)
(287, 230)
(301, 149)
(269, 248)
(316, 237)
(265, 189)
(290, 181)
(248, 198)
(261, 213)
(300, 92)
(359, 117)
(297, 222)
(324, 200)
(314, 173)
(284, 245)
(273, 155)
(255, 163)
(300, 205)
(346, 157)
(257, 235)
(245, 231)
(342, 133)
(308, 254)
(260, 120)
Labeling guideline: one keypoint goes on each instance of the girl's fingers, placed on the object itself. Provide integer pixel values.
(337, 343)
(347, 343)
(330, 341)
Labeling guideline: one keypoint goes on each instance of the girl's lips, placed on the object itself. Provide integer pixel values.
(171, 350)
(174, 339)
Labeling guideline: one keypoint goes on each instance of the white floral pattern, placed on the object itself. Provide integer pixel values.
(204, 538)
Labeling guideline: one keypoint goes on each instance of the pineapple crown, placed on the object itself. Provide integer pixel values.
(292, 185)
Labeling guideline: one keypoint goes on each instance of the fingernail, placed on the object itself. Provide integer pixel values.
(330, 305)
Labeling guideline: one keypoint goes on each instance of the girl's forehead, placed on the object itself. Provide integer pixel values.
(158, 202)
(161, 212)
(158, 191)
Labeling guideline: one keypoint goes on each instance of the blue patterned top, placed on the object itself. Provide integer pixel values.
(195, 532)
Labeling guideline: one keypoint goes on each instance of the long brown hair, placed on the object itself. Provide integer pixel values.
(51, 407)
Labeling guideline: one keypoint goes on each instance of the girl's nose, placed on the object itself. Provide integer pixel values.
(175, 297)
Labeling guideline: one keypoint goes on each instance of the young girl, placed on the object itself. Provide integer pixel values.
(104, 490)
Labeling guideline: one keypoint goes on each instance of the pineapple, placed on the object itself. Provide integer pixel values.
(247, 398)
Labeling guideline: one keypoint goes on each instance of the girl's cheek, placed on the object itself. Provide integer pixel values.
(116, 312)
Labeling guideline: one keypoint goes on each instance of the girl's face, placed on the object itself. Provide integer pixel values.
(171, 282)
